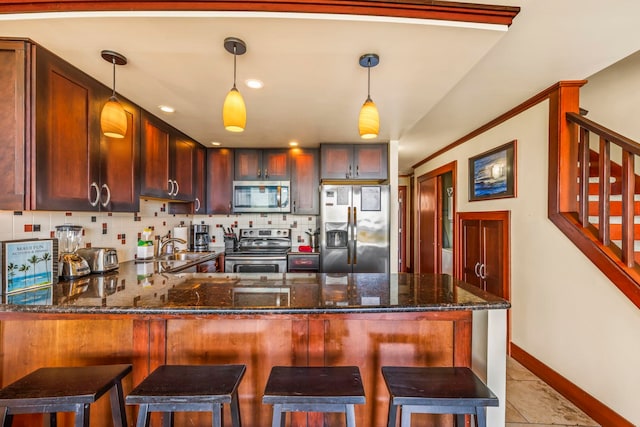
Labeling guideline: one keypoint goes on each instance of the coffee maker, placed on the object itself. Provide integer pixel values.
(199, 237)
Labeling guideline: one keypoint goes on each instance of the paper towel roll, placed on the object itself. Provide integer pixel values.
(181, 232)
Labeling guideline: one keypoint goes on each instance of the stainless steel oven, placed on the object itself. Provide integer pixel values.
(260, 250)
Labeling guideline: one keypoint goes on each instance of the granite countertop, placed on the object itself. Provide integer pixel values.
(145, 289)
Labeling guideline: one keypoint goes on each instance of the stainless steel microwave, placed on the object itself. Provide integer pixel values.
(261, 196)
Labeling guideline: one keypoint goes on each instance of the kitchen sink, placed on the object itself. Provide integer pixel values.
(183, 256)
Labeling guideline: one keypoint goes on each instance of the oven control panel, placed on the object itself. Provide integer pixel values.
(265, 232)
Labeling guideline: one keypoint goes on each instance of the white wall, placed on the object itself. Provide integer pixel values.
(564, 311)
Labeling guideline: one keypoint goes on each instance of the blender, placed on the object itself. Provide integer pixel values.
(70, 264)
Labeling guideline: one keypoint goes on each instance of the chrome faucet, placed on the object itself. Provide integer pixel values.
(165, 241)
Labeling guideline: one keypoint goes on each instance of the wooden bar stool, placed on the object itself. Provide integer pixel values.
(65, 389)
(189, 388)
(313, 389)
(436, 391)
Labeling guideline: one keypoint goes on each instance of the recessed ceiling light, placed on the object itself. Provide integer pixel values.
(167, 109)
(293, 143)
(216, 143)
(254, 83)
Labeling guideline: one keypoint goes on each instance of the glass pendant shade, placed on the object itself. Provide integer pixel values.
(234, 112)
(369, 120)
(113, 119)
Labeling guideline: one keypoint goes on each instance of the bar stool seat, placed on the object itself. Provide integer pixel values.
(313, 389)
(446, 390)
(189, 388)
(65, 389)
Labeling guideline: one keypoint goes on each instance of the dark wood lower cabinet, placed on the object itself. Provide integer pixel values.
(482, 251)
(368, 341)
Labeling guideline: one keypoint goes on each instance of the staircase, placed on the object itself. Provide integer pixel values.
(615, 203)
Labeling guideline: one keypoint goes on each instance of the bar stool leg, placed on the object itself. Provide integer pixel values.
(5, 418)
(53, 419)
(143, 416)
(481, 416)
(460, 420)
(392, 414)
(167, 419)
(216, 415)
(350, 414)
(279, 417)
(117, 405)
(82, 415)
(405, 417)
(235, 410)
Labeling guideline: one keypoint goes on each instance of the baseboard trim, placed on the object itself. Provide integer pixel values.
(600, 413)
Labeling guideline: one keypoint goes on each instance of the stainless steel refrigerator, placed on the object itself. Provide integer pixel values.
(354, 228)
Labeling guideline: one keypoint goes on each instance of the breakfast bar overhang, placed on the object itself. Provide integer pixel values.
(261, 320)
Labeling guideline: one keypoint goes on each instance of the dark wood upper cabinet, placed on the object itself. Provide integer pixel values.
(168, 161)
(354, 161)
(200, 180)
(219, 180)
(57, 144)
(262, 164)
(305, 180)
(14, 94)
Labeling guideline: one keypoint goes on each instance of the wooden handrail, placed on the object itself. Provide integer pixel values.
(614, 137)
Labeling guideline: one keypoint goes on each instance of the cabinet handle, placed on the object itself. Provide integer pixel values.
(357, 170)
(197, 204)
(106, 202)
(170, 188)
(259, 174)
(177, 188)
(229, 208)
(294, 206)
(476, 269)
(349, 172)
(483, 271)
(266, 173)
(93, 185)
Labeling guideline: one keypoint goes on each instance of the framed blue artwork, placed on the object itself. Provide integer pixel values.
(492, 174)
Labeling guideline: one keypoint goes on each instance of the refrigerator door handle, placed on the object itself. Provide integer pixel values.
(355, 236)
(348, 227)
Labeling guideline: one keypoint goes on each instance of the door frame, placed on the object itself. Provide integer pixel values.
(436, 173)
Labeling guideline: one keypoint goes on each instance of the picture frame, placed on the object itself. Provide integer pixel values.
(492, 174)
(28, 264)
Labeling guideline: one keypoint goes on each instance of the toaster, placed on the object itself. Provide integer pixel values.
(100, 260)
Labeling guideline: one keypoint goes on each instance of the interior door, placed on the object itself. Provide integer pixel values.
(493, 257)
(470, 252)
(427, 226)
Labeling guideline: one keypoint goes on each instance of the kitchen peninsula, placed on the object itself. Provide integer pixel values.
(142, 316)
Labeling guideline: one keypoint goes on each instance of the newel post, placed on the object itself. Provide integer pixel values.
(563, 147)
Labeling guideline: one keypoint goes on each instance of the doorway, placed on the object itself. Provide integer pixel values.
(436, 213)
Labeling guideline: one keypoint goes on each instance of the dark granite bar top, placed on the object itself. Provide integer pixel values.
(144, 289)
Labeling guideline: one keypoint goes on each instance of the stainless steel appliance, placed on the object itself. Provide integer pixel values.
(199, 237)
(354, 229)
(100, 260)
(259, 250)
(261, 196)
(70, 264)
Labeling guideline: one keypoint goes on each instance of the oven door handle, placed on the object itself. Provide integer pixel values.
(255, 259)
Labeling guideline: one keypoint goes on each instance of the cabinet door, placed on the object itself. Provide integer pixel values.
(336, 161)
(14, 81)
(370, 161)
(275, 165)
(492, 256)
(119, 164)
(219, 180)
(305, 179)
(248, 165)
(471, 252)
(67, 136)
(183, 169)
(154, 163)
(200, 180)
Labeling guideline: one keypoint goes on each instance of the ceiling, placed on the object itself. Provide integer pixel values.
(436, 80)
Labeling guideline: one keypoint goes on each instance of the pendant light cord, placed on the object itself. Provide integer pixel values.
(234, 65)
(113, 93)
(369, 79)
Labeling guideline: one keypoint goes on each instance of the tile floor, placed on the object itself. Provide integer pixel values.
(531, 402)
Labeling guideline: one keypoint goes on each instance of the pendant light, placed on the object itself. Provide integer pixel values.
(234, 112)
(113, 119)
(369, 120)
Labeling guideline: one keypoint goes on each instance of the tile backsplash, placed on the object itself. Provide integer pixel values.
(122, 230)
